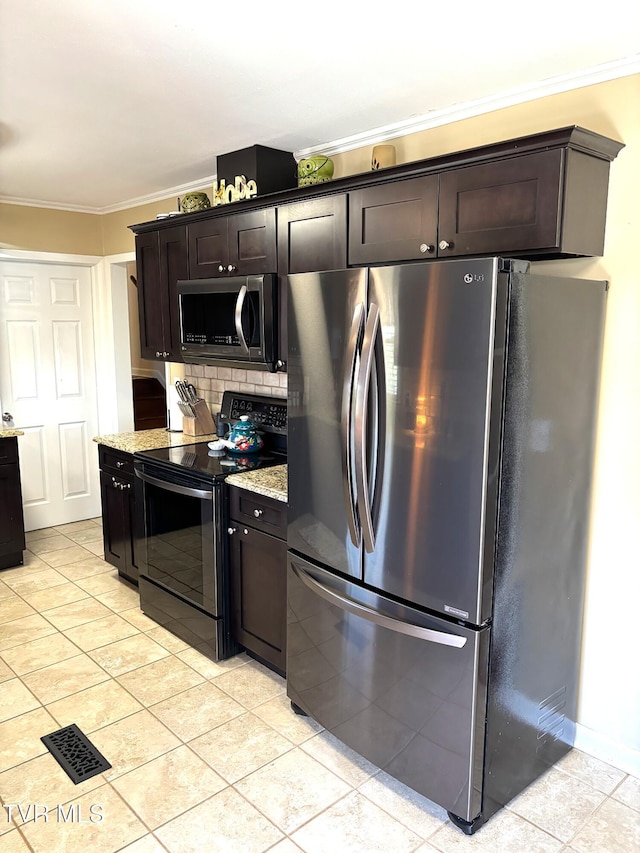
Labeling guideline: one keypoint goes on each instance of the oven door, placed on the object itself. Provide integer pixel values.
(183, 582)
(228, 318)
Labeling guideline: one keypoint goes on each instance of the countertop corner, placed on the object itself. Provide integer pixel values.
(270, 482)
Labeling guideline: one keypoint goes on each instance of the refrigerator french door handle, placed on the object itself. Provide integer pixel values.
(362, 393)
(347, 421)
(242, 293)
(382, 620)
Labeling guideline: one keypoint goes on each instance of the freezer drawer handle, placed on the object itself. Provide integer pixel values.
(173, 487)
(380, 619)
(347, 422)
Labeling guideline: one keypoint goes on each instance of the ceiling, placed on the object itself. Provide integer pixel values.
(106, 104)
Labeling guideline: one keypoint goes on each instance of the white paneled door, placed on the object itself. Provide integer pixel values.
(48, 385)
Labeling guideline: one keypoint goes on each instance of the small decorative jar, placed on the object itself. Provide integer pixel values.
(383, 156)
(194, 201)
(315, 170)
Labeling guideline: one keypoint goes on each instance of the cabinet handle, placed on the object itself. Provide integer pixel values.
(231, 530)
(427, 248)
(257, 512)
(445, 244)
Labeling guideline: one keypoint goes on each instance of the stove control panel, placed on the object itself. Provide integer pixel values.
(267, 413)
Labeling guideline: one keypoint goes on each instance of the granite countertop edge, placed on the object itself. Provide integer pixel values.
(149, 439)
(10, 433)
(270, 482)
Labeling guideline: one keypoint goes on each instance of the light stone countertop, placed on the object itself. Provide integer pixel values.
(270, 482)
(149, 439)
(10, 433)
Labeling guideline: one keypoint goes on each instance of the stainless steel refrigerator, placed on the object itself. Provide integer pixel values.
(441, 429)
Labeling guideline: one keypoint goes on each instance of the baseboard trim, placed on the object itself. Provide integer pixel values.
(612, 752)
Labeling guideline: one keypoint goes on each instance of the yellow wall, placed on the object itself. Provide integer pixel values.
(39, 229)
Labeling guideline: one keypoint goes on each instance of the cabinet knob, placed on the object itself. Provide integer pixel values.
(158, 354)
(257, 512)
(427, 248)
(220, 268)
(231, 268)
(120, 464)
(246, 532)
(231, 530)
(445, 244)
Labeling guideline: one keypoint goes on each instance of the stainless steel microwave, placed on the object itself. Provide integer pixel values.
(230, 321)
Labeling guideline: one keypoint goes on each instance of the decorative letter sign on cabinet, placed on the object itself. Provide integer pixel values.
(535, 197)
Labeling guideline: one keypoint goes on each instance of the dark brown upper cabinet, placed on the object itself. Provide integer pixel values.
(394, 222)
(161, 260)
(312, 236)
(241, 244)
(498, 207)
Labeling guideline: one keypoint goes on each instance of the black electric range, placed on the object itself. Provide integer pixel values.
(182, 508)
(269, 414)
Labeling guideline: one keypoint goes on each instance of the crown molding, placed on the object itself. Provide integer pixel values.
(436, 118)
(470, 109)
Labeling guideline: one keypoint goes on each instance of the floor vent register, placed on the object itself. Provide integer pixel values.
(75, 753)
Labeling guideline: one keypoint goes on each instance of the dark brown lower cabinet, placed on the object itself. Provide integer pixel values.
(118, 511)
(258, 562)
(12, 541)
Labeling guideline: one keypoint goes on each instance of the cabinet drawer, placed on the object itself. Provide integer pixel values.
(116, 461)
(8, 450)
(263, 513)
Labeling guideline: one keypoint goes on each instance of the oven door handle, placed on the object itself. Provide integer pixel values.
(204, 494)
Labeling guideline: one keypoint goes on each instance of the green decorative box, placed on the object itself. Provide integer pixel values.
(272, 170)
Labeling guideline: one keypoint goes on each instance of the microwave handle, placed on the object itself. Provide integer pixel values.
(239, 306)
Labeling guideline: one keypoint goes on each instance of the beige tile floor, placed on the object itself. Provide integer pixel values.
(209, 756)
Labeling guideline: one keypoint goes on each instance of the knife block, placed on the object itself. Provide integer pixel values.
(202, 422)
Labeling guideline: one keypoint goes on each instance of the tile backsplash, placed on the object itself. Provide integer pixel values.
(210, 382)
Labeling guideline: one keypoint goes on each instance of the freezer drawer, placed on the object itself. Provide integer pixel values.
(406, 690)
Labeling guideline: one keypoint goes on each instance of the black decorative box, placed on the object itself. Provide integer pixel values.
(272, 170)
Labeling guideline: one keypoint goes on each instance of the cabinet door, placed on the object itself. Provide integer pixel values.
(118, 512)
(208, 248)
(511, 206)
(393, 222)
(173, 268)
(11, 519)
(252, 242)
(152, 299)
(258, 575)
(312, 236)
